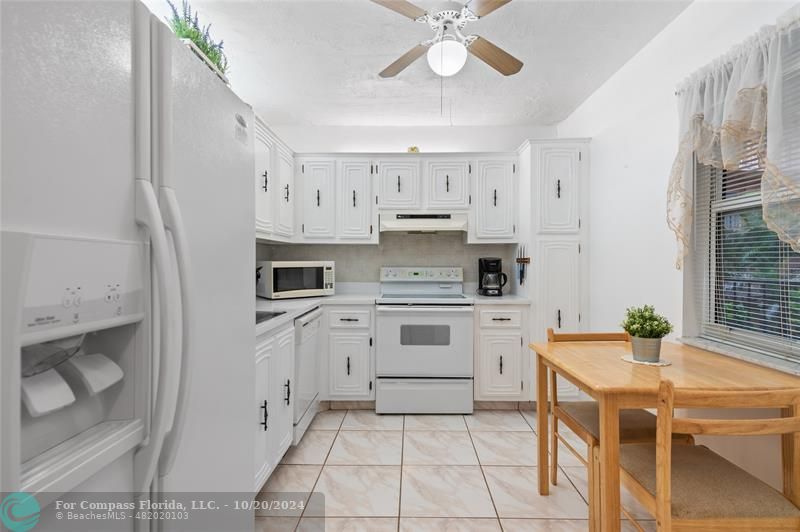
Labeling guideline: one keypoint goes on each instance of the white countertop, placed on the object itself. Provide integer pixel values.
(297, 307)
(505, 299)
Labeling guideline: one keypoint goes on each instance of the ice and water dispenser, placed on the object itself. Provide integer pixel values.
(76, 346)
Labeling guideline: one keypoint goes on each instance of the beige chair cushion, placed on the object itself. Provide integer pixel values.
(634, 425)
(705, 485)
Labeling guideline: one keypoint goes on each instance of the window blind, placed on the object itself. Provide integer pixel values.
(747, 280)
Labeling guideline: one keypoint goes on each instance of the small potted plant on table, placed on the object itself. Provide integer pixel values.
(646, 329)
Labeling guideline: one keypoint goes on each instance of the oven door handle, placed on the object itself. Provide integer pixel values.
(419, 308)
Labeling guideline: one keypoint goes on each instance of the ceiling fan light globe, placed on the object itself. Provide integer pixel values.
(447, 58)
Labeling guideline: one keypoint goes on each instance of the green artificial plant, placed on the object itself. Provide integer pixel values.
(643, 322)
(185, 24)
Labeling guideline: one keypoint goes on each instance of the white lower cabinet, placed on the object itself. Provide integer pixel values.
(274, 372)
(264, 461)
(350, 368)
(501, 357)
(348, 365)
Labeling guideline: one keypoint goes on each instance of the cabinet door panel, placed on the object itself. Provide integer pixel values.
(319, 198)
(560, 285)
(501, 365)
(398, 184)
(354, 217)
(282, 401)
(349, 358)
(495, 202)
(448, 184)
(560, 198)
(263, 425)
(285, 221)
(264, 185)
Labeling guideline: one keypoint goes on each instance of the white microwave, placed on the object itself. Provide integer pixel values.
(290, 279)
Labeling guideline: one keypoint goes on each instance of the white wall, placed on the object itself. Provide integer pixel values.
(318, 139)
(632, 120)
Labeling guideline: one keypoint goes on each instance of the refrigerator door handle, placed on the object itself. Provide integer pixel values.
(174, 223)
(148, 215)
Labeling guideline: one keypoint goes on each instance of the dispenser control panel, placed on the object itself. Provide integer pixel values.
(76, 285)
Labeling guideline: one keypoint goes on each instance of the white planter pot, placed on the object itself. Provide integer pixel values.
(646, 349)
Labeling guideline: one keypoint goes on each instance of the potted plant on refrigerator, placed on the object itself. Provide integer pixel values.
(646, 329)
(186, 25)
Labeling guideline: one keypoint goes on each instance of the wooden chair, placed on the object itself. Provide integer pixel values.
(692, 487)
(583, 419)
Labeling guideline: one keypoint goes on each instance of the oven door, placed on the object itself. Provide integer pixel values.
(424, 341)
(297, 281)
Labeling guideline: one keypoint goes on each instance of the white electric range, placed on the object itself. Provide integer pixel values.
(424, 342)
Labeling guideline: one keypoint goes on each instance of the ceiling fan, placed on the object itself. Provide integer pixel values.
(447, 52)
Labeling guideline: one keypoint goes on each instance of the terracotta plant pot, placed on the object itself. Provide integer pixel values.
(646, 349)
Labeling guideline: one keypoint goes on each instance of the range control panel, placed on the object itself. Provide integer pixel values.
(429, 274)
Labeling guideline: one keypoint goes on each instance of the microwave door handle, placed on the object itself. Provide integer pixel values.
(174, 223)
(148, 215)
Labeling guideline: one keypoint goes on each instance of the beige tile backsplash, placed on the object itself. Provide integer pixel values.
(361, 263)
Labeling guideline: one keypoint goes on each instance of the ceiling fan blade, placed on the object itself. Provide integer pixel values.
(484, 7)
(407, 9)
(405, 60)
(495, 57)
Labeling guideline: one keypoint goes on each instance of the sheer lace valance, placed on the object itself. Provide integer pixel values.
(739, 100)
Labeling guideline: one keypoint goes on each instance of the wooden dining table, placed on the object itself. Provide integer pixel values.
(597, 369)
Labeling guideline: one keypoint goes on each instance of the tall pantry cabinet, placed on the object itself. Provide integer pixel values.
(557, 240)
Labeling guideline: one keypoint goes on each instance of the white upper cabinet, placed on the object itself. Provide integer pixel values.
(495, 201)
(399, 184)
(318, 196)
(559, 189)
(264, 175)
(447, 183)
(354, 214)
(284, 223)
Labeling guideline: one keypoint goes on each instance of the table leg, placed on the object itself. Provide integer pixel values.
(541, 424)
(790, 456)
(609, 464)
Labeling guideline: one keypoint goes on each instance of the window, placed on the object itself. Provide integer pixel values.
(747, 280)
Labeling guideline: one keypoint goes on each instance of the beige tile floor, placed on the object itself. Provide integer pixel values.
(424, 473)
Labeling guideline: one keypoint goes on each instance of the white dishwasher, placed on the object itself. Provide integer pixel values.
(306, 369)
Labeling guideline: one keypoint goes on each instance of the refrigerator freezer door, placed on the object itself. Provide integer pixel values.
(204, 171)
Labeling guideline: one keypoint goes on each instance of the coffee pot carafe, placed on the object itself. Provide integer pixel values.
(491, 278)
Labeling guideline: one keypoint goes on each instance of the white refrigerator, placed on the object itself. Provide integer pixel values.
(127, 261)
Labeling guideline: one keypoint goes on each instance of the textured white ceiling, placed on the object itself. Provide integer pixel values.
(316, 63)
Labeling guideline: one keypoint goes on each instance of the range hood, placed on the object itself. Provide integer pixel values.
(423, 222)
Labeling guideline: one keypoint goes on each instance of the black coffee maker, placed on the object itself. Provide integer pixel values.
(491, 278)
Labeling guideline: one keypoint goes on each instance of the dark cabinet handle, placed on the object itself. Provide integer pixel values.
(558, 188)
(559, 318)
(354, 198)
(317, 197)
(398, 183)
(348, 365)
(501, 319)
(348, 319)
(265, 175)
(265, 417)
(501, 364)
(288, 387)
(286, 197)
(495, 197)
(447, 183)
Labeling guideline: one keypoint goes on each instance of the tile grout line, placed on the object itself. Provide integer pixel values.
(483, 474)
(400, 487)
(321, 469)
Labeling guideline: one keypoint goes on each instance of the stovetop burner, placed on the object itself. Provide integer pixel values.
(423, 286)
